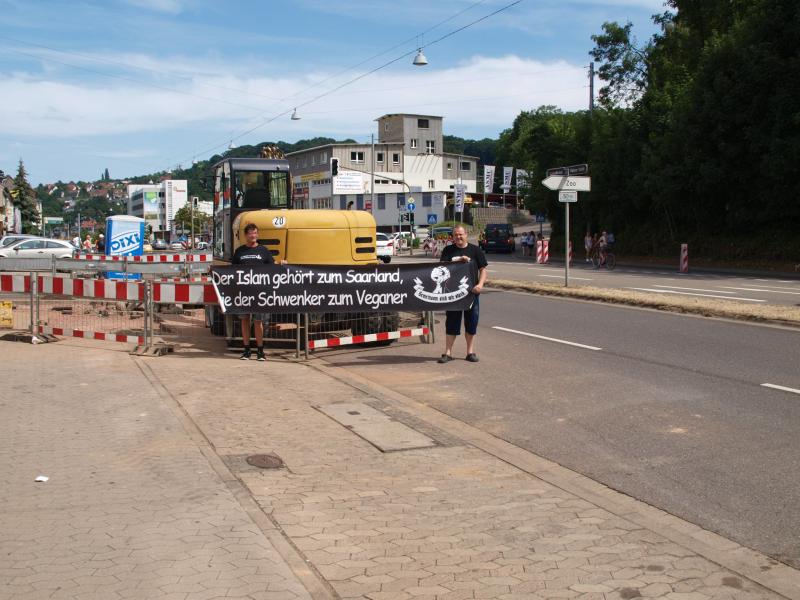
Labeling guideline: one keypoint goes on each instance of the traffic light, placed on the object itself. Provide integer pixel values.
(411, 218)
(404, 216)
(334, 167)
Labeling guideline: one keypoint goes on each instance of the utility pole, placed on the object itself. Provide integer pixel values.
(372, 175)
(191, 218)
(591, 87)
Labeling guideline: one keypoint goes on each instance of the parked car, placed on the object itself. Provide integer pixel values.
(158, 245)
(177, 246)
(9, 239)
(384, 247)
(498, 237)
(441, 233)
(38, 248)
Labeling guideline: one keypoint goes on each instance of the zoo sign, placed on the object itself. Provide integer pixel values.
(364, 288)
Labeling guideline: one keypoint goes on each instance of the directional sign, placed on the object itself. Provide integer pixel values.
(578, 170)
(411, 206)
(577, 184)
(567, 196)
(557, 171)
(432, 219)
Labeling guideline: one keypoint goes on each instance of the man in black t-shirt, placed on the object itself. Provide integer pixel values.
(462, 251)
(251, 252)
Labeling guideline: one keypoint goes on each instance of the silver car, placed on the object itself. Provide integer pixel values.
(38, 248)
(9, 239)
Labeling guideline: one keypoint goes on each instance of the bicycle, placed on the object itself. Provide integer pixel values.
(610, 259)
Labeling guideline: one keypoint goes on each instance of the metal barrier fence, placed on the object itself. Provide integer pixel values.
(133, 313)
(176, 265)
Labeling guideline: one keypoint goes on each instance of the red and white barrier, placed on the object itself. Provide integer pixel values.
(570, 253)
(148, 258)
(539, 251)
(105, 289)
(545, 251)
(684, 266)
(369, 337)
(93, 335)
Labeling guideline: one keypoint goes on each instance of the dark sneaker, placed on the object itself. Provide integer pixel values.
(445, 358)
(472, 357)
(246, 354)
(260, 355)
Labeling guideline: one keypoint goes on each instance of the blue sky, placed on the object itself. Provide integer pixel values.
(138, 86)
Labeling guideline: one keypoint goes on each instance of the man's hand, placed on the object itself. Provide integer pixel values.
(477, 289)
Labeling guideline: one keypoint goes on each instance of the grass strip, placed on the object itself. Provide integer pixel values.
(708, 307)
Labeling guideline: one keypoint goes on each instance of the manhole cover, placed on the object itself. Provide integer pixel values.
(265, 461)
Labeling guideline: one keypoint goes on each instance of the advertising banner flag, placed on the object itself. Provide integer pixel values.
(488, 178)
(344, 289)
(460, 193)
(507, 172)
(522, 179)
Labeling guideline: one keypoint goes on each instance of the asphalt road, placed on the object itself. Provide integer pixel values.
(755, 290)
(670, 409)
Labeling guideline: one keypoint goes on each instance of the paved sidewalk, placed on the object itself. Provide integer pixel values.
(471, 517)
(132, 508)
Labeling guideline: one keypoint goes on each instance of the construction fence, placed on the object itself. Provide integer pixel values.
(150, 311)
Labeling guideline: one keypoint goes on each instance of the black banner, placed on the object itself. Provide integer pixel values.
(298, 289)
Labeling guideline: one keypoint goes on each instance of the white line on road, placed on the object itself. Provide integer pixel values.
(549, 339)
(675, 287)
(761, 289)
(691, 294)
(562, 277)
(783, 388)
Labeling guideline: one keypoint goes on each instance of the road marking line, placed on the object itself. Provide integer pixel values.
(562, 277)
(783, 388)
(691, 294)
(549, 339)
(772, 291)
(676, 287)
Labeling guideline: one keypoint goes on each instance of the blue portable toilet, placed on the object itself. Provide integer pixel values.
(124, 237)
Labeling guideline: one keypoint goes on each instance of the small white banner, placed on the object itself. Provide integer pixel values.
(460, 193)
(488, 178)
(507, 173)
(522, 179)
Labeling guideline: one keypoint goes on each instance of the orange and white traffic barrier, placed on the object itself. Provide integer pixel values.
(545, 251)
(570, 252)
(539, 251)
(684, 258)
(369, 337)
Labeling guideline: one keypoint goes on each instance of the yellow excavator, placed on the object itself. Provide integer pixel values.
(259, 190)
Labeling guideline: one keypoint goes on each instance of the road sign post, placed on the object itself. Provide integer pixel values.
(568, 181)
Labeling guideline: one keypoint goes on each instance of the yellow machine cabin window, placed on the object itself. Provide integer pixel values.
(278, 189)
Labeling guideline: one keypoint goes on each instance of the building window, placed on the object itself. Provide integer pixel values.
(342, 202)
(426, 199)
(313, 160)
(379, 157)
(413, 143)
(360, 201)
(356, 157)
(401, 201)
(431, 184)
(395, 158)
(430, 146)
(423, 123)
(465, 165)
(381, 201)
(449, 166)
(386, 127)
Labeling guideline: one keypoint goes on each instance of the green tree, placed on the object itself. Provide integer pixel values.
(24, 198)
(183, 220)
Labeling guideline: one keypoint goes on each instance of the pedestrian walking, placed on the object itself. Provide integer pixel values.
(101, 244)
(588, 242)
(88, 246)
(462, 251)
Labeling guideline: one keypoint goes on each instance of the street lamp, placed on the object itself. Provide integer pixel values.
(419, 59)
(295, 116)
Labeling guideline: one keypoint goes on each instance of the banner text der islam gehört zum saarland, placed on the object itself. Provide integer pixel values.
(322, 288)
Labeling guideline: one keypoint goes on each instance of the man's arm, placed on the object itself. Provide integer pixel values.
(482, 275)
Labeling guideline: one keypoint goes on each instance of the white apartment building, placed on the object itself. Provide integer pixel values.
(157, 204)
(408, 163)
